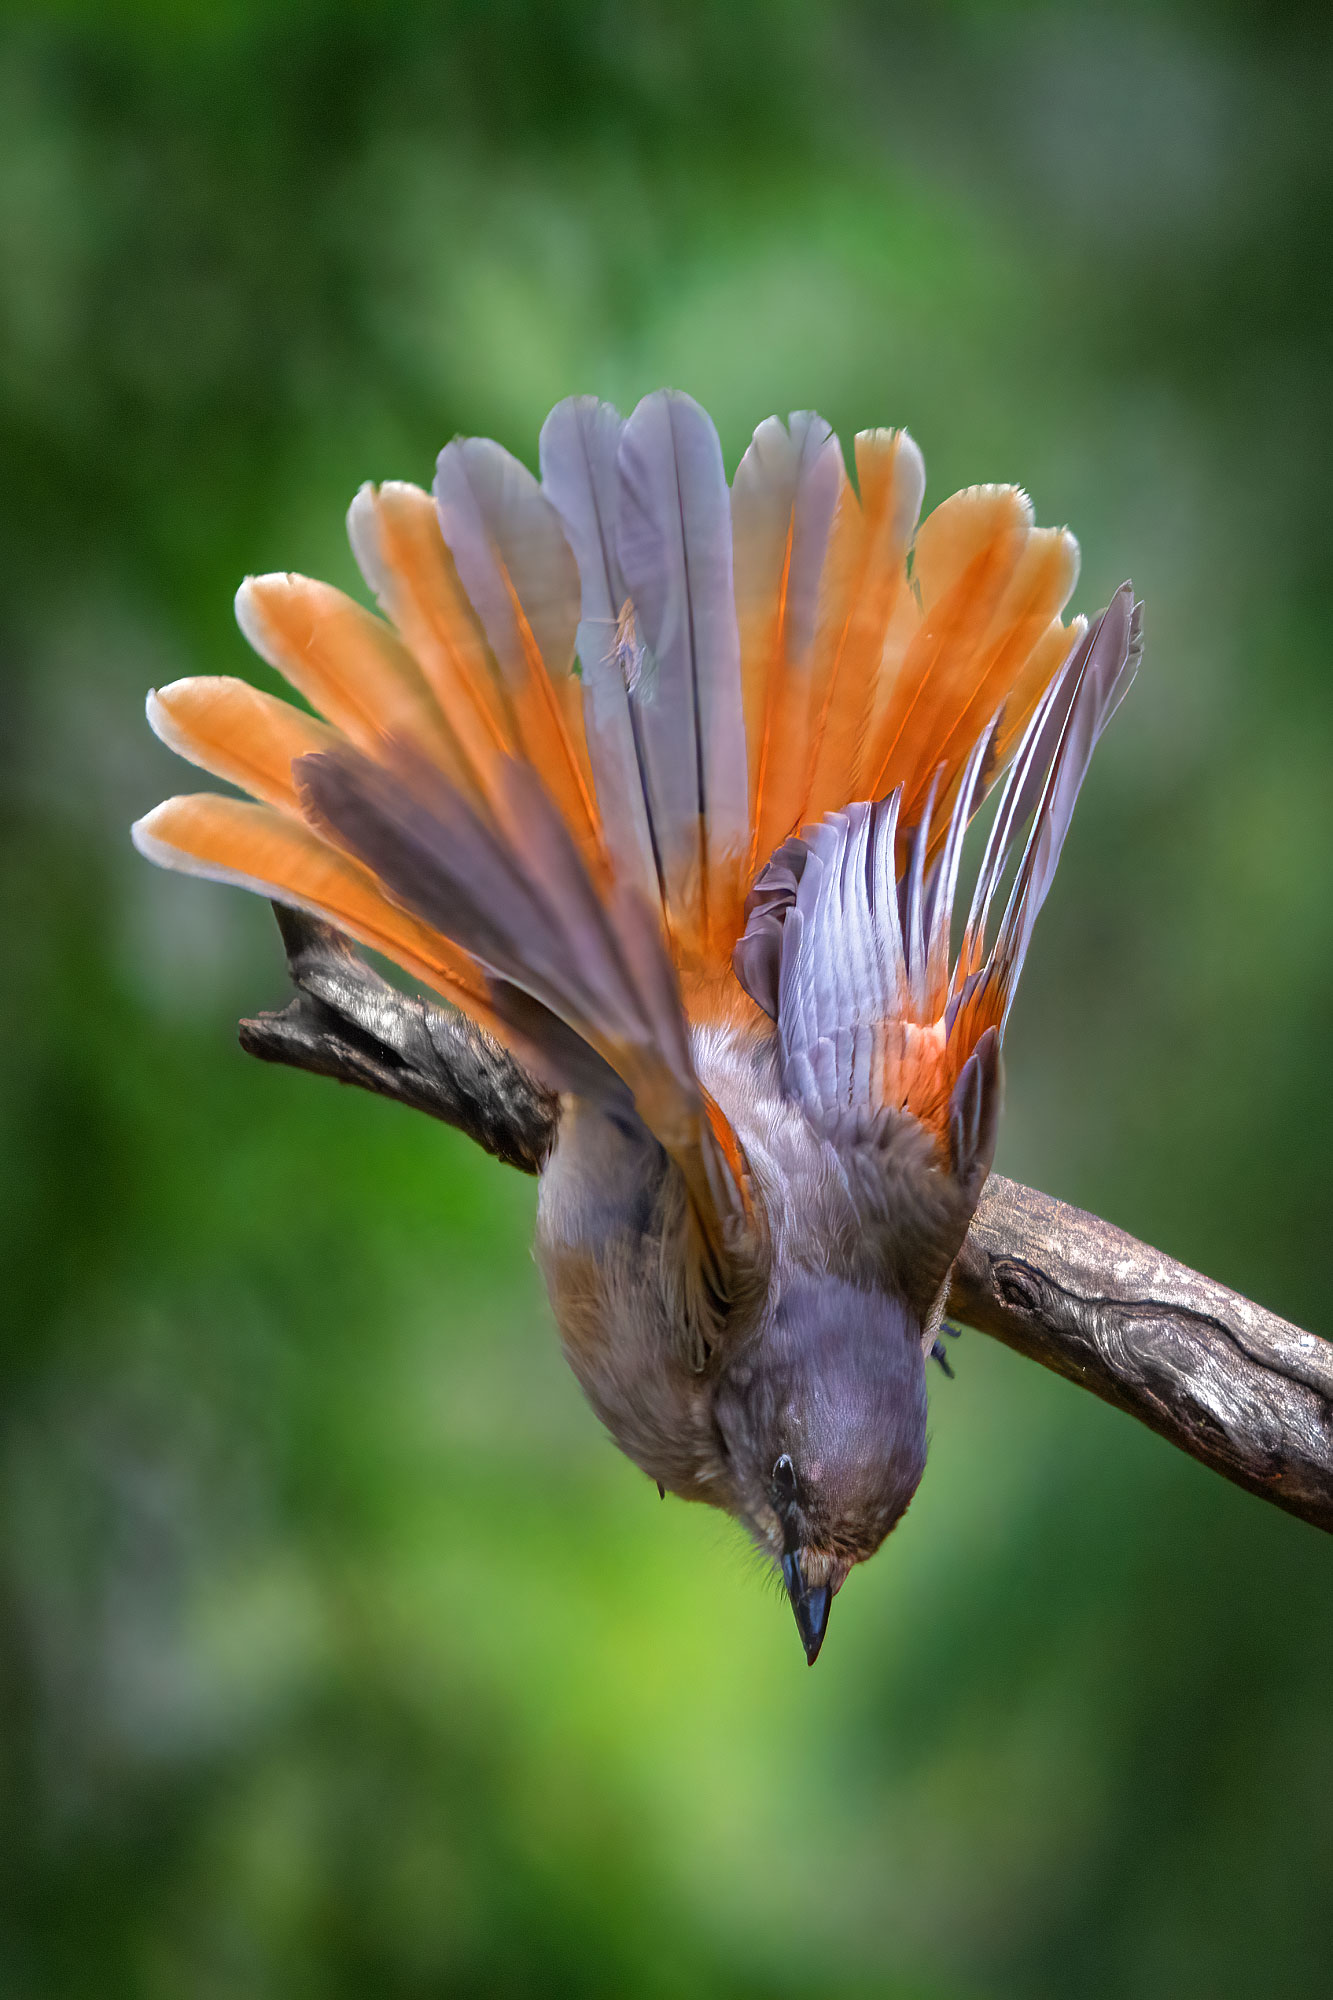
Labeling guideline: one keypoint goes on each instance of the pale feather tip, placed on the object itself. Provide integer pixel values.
(363, 536)
(250, 616)
(150, 845)
(160, 719)
(164, 853)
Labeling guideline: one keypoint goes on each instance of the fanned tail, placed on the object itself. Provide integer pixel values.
(446, 812)
(611, 696)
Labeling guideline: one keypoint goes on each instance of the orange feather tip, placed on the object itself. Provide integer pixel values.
(238, 733)
(880, 451)
(153, 838)
(248, 846)
(170, 712)
(376, 507)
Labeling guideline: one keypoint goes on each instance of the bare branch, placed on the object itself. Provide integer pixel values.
(1235, 1386)
(347, 1022)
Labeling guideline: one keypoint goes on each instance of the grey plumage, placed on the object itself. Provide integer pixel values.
(673, 539)
(782, 504)
(1045, 779)
(750, 1212)
(511, 552)
(580, 446)
(805, 1344)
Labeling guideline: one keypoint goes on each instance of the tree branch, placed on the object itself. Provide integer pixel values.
(1235, 1386)
(347, 1022)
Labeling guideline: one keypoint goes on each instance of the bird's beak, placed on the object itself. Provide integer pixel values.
(811, 1605)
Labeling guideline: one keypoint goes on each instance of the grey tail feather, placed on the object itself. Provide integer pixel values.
(783, 501)
(511, 552)
(655, 532)
(682, 673)
(580, 444)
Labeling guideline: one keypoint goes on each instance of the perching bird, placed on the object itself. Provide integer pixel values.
(666, 786)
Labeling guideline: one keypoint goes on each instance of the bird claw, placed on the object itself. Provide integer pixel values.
(940, 1353)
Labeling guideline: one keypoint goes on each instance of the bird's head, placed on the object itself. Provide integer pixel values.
(822, 1417)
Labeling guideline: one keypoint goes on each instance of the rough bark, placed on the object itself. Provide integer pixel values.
(347, 1022)
(1235, 1386)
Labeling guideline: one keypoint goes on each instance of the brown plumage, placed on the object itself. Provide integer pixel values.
(667, 786)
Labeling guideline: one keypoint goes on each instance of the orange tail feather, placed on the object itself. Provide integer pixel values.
(255, 847)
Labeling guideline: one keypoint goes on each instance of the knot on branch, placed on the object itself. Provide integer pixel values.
(1017, 1284)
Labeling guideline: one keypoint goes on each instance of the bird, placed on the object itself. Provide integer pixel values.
(665, 783)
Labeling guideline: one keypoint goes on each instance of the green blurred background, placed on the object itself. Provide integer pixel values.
(339, 1653)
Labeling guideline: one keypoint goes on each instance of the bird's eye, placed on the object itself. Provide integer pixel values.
(784, 1481)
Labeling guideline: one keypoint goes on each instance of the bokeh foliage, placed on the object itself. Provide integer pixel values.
(338, 1653)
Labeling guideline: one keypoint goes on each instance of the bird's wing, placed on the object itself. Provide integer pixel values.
(848, 943)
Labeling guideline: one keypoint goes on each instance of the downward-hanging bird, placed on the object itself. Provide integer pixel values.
(666, 786)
